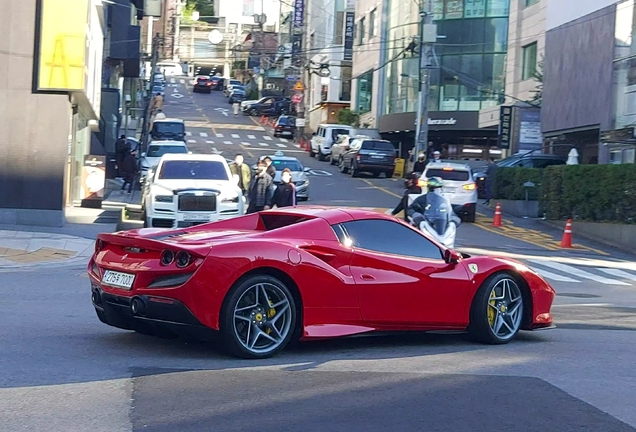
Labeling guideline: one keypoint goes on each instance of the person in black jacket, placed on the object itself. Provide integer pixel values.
(129, 170)
(412, 187)
(260, 192)
(285, 193)
(420, 163)
(271, 169)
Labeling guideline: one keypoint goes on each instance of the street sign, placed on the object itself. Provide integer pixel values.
(300, 122)
(291, 78)
(299, 86)
(297, 98)
(281, 48)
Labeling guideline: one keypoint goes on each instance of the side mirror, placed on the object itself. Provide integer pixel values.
(235, 177)
(451, 256)
(143, 154)
(306, 169)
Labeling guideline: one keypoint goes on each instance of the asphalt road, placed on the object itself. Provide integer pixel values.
(63, 370)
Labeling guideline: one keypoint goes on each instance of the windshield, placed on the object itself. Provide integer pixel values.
(448, 174)
(195, 170)
(377, 145)
(160, 150)
(168, 129)
(293, 165)
(238, 90)
(286, 121)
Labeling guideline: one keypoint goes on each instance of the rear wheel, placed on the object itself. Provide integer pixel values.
(321, 156)
(332, 160)
(254, 112)
(353, 171)
(497, 310)
(389, 174)
(471, 216)
(258, 318)
(341, 166)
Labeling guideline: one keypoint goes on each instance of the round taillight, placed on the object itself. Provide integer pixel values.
(183, 259)
(167, 257)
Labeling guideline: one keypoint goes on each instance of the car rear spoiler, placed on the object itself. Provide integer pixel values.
(130, 240)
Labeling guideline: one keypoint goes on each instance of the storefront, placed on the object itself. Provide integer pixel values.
(455, 134)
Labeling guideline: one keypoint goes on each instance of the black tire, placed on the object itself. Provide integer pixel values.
(321, 157)
(341, 166)
(353, 171)
(480, 321)
(229, 336)
(376, 174)
(311, 151)
(471, 217)
(253, 112)
(389, 174)
(332, 160)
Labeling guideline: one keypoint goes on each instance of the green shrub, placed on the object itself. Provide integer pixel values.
(509, 183)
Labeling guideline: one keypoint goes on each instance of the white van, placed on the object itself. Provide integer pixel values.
(170, 68)
(325, 137)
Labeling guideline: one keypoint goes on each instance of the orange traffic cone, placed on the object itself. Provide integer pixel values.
(497, 219)
(262, 119)
(566, 241)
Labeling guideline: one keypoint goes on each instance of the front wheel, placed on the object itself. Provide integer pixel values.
(258, 318)
(497, 310)
(321, 156)
(353, 171)
(332, 160)
(254, 112)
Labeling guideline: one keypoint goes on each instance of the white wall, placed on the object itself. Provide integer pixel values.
(563, 11)
(233, 10)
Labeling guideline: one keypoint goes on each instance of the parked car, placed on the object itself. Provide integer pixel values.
(226, 82)
(237, 95)
(156, 149)
(216, 82)
(531, 159)
(269, 106)
(168, 129)
(369, 155)
(228, 89)
(285, 125)
(158, 89)
(458, 185)
(325, 136)
(298, 171)
(342, 145)
(203, 84)
(186, 190)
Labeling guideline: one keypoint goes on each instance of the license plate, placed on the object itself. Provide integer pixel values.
(286, 132)
(377, 157)
(117, 279)
(196, 217)
(449, 190)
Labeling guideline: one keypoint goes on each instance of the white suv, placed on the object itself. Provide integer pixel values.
(458, 185)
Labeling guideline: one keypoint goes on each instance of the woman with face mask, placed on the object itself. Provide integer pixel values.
(285, 193)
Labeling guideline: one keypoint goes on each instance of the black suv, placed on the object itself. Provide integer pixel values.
(202, 84)
(269, 106)
(369, 155)
(523, 160)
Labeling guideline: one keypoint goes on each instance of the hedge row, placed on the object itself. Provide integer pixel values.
(601, 193)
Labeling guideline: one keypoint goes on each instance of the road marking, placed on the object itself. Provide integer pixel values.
(219, 135)
(235, 136)
(251, 137)
(176, 95)
(227, 142)
(577, 272)
(319, 173)
(549, 275)
(283, 140)
(203, 134)
(583, 305)
(297, 145)
(209, 142)
(246, 143)
(619, 273)
(381, 188)
(182, 81)
(172, 80)
(281, 145)
(238, 127)
(264, 144)
(266, 138)
(188, 133)
(192, 141)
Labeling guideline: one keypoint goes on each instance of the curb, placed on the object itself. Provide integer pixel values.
(561, 224)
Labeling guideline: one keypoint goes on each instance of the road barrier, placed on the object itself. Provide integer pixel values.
(497, 219)
(566, 241)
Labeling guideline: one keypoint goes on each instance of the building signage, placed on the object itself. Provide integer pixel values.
(438, 10)
(93, 177)
(447, 122)
(530, 137)
(61, 62)
(454, 9)
(152, 8)
(348, 35)
(475, 9)
(299, 13)
(505, 127)
(498, 8)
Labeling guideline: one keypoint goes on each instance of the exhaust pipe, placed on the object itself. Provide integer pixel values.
(96, 298)
(138, 306)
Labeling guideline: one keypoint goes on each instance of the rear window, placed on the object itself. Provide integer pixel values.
(336, 132)
(377, 145)
(160, 150)
(168, 130)
(286, 121)
(448, 174)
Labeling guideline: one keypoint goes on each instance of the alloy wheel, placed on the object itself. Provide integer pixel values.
(505, 309)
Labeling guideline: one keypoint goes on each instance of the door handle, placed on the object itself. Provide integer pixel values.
(366, 277)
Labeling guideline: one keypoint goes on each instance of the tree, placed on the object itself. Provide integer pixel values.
(348, 117)
(538, 77)
(204, 7)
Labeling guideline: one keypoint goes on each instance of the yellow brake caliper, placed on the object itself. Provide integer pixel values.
(270, 314)
(491, 310)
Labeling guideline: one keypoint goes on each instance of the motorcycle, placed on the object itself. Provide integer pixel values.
(440, 221)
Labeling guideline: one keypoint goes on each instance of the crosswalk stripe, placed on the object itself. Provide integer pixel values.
(264, 144)
(209, 142)
(549, 275)
(227, 142)
(172, 80)
(283, 140)
(235, 136)
(251, 137)
(203, 134)
(192, 141)
(297, 145)
(219, 135)
(619, 273)
(577, 272)
(182, 81)
(245, 143)
(281, 145)
(188, 133)
(266, 138)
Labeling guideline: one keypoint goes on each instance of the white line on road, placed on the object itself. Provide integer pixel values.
(203, 134)
(182, 81)
(264, 144)
(192, 141)
(246, 143)
(549, 275)
(188, 133)
(235, 136)
(209, 142)
(281, 145)
(172, 80)
(297, 145)
(283, 140)
(266, 138)
(251, 137)
(580, 273)
(619, 273)
(227, 142)
(219, 135)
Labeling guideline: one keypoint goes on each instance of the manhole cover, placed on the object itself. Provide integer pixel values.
(578, 295)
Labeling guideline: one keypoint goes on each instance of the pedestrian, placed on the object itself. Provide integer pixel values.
(436, 156)
(271, 169)
(130, 170)
(121, 150)
(285, 193)
(420, 163)
(243, 172)
(157, 102)
(235, 107)
(261, 190)
(412, 187)
(491, 174)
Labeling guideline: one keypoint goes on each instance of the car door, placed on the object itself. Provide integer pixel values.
(402, 278)
(266, 107)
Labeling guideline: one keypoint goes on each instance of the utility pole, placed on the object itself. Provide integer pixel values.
(428, 37)
(146, 117)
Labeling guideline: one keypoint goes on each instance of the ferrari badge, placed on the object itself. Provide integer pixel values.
(473, 268)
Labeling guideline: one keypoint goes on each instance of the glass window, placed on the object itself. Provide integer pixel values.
(472, 35)
(200, 170)
(471, 77)
(292, 164)
(450, 175)
(378, 145)
(496, 35)
(531, 2)
(493, 79)
(361, 30)
(365, 92)
(160, 150)
(498, 8)
(390, 237)
(475, 8)
(339, 28)
(529, 61)
(454, 9)
(373, 25)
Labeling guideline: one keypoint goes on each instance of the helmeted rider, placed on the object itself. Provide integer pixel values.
(418, 208)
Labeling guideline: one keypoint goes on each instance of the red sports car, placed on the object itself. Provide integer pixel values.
(261, 280)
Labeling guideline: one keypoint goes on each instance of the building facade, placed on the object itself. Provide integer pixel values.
(469, 75)
(49, 104)
(588, 94)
